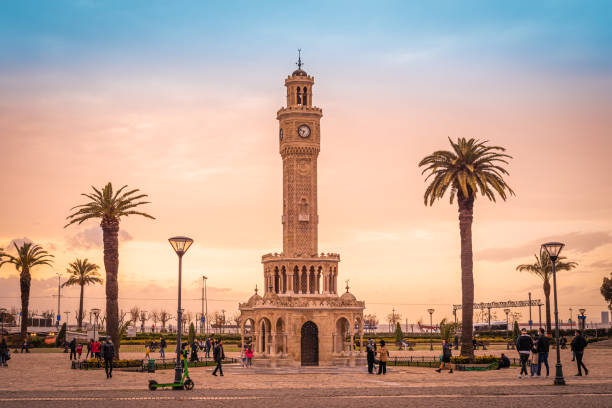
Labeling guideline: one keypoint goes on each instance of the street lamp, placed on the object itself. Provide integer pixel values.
(507, 312)
(205, 309)
(571, 319)
(180, 246)
(2, 312)
(430, 311)
(95, 312)
(553, 249)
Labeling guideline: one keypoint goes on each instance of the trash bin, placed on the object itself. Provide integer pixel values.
(151, 366)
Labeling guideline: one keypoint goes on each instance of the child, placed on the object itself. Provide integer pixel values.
(533, 361)
(243, 356)
(79, 350)
(147, 351)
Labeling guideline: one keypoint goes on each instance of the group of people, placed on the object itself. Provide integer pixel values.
(372, 353)
(534, 351)
(246, 355)
(94, 349)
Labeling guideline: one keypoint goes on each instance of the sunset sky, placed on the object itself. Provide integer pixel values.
(179, 99)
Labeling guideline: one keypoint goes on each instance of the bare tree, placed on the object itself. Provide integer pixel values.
(164, 317)
(154, 315)
(134, 314)
(122, 315)
(143, 318)
(371, 322)
(393, 318)
(186, 319)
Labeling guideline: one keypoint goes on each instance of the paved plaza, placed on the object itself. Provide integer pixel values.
(46, 380)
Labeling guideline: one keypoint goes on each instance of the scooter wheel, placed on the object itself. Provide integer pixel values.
(188, 384)
(152, 385)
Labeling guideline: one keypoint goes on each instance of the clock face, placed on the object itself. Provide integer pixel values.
(280, 134)
(304, 131)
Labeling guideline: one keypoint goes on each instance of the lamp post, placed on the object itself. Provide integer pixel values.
(553, 249)
(205, 307)
(430, 311)
(571, 319)
(95, 312)
(581, 318)
(59, 295)
(2, 312)
(540, 313)
(180, 246)
(507, 312)
(67, 315)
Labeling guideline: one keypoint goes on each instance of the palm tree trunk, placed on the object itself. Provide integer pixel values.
(24, 280)
(547, 296)
(80, 317)
(110, 230)
(466, 210)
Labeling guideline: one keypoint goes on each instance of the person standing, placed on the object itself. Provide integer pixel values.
(524, 344)
(97, 349)
(446, 357)
(89, 349)
(3, 352)
(73, 348)
(371, 354)
(147, 351)
(578, 345)
(25, 346)
(533, 361)
(249, 355)
(543, 346)
(79, 350)
(383, 356)
(108, 352)
(219, 356)
(207, 348)
(162, 347)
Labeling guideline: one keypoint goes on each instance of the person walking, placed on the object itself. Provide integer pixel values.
(25, 346)
(543, 346)
(97, 349)
(524, 344)
(446, 357)
(147, 351)
(218, 356)
(108, 352)
(249, 356)
(72, 348)
(89, 349)
(3, 352)
(207, 348)
(578, 345)
(371, 355)
(383, 356)
(162, 347)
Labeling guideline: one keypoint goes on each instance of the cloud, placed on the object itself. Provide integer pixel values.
(575, 241)
(92, 238)
(601, 264)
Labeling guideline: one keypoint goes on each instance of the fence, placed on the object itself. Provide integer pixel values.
(142, 365)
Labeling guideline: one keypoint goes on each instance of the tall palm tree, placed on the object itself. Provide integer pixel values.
(470, 167)
(28, 256)
(542, 267)
(82, 273)
(110, 206)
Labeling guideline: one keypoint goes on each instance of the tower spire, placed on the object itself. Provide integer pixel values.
(299, 63)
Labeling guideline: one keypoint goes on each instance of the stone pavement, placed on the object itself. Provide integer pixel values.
(46, 378)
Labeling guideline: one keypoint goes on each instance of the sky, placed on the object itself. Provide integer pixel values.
(179, 99)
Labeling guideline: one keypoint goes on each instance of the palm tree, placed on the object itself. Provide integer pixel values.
(82, 273)
(471, 167)
(542, 267)
(28, 256)
(110, 207)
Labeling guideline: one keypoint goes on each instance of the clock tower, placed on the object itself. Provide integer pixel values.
(299, 141)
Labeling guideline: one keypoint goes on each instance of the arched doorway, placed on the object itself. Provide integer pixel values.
(310, 344)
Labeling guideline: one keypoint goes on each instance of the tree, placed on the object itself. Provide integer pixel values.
(515, 331)
(370, 323)
(134, 314)
(143, 318)
(191, 336)
(164, 317)
(448, 330)
(61, 336)
(155, 319)
(110, 208)
(28, 256)
(606, 290)
(82, 273)
(398, 333)
(471, 167)
(393, 318)
(542, 267)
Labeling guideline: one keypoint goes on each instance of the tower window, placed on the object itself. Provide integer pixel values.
(305, 97)
(299, 96)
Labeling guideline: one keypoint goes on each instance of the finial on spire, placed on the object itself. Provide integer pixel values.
(347, 285)
(299, 63)
(256, 289)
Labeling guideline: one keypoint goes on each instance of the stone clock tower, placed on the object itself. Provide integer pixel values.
(299, 140)
(301, 317)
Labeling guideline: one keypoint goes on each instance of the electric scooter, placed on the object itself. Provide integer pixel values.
(185, 383)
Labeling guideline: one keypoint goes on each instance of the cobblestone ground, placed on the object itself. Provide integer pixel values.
(46, 380)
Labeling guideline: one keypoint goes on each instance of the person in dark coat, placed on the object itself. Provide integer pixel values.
(218, 356)
(578, 345)
(108, 353)
(446, 357)
(3, 352)
(524, 344)
(371, 354)
(72, 348)
(542, 346)
(194, 352)
(504, 362)
(162, 348)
